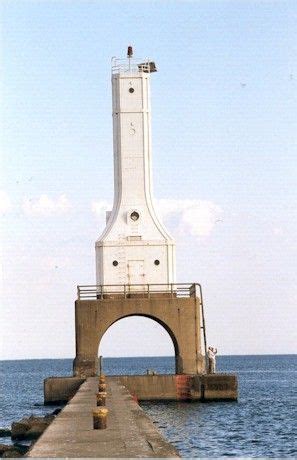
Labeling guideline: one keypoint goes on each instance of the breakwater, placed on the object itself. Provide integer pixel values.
(129, 432)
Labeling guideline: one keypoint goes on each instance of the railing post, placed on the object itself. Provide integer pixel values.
(171, 290)
(78, 293)
(125, 296)
(193, 290)
(148, 291)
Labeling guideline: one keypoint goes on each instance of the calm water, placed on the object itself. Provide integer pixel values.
(261, 424)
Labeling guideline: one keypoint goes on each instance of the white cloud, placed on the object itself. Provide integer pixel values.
(100, 207)
(195, 217)
(5, 202)
(45, 206)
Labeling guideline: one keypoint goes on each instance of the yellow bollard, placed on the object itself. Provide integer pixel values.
(102, 387)
(100, 418)
(101, 398)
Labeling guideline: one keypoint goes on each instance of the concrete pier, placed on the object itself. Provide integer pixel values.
(129, 433)
(174, 387)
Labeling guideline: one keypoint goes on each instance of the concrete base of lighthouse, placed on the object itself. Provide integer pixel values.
(179, 316)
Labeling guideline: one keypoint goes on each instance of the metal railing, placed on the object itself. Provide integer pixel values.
(100, 291)
(130, 65)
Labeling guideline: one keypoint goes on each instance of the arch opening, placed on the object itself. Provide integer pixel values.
(138, 344)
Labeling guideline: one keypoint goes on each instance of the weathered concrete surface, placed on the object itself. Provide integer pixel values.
(162, 387)
(156, 387)
(181, 387)
(129, 434)
(218, 387)
(60, 389)
(179, 316)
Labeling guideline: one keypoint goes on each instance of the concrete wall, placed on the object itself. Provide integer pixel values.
(60, 389)
(218, 386)
(179, 316)
(161, 387)
(209, 387)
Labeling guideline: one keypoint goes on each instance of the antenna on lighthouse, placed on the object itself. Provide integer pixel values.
(130, 55)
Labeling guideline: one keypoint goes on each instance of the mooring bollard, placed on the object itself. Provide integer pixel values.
(100, 418)
(102, 378)
(101, 398)
(102, 387)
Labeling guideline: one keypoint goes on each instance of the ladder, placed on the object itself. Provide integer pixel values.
(202, 327)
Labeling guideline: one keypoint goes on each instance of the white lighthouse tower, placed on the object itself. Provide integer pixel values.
(134, 249)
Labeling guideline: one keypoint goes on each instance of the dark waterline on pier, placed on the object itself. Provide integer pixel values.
(261, 424)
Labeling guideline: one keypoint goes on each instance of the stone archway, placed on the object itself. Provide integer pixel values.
(179, 316)
(169, 332)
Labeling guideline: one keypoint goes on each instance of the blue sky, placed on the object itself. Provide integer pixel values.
(224, 152)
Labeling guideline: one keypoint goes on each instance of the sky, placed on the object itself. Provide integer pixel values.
(224, 165)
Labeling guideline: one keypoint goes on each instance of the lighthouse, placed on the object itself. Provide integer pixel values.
(135, 265)
(134, 249)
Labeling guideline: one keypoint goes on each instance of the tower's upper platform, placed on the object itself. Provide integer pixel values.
(131, 65)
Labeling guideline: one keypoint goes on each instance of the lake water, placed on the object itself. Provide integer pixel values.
(261, 424)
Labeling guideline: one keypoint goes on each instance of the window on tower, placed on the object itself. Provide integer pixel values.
(134, 216)
(131, 90)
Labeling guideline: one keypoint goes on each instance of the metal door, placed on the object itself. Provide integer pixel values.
(136, 274)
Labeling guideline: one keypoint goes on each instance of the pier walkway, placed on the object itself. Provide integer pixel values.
(129, 433)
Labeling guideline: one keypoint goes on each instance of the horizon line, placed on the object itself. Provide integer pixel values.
(154, 356)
